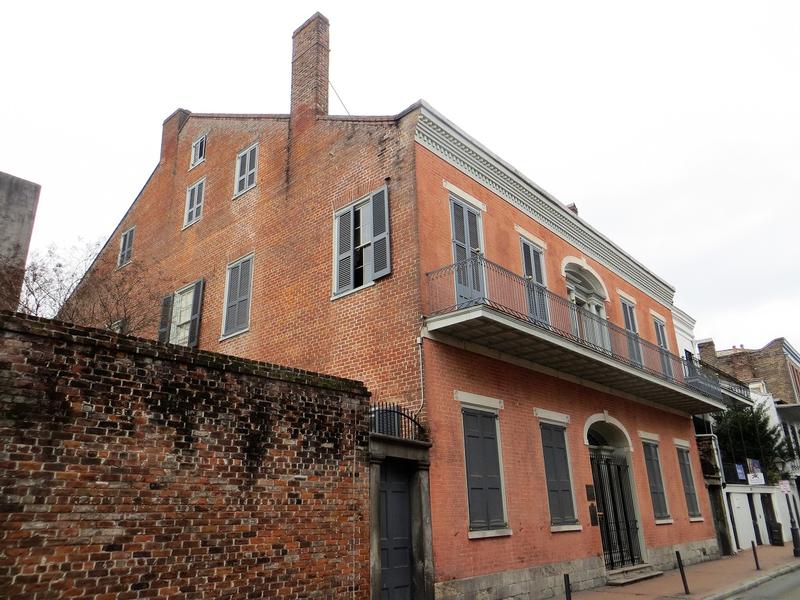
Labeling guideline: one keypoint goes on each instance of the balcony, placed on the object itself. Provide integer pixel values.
(480, 305)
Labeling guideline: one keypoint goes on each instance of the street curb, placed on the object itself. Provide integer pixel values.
(748, 585)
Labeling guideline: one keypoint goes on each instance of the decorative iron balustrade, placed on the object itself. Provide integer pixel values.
(395, 421)
(477, 281)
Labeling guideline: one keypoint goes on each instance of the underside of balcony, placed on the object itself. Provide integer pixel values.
(495, 330)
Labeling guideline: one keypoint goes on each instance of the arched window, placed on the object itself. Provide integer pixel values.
(587, 296)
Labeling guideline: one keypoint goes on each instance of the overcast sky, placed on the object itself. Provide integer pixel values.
(674, 126)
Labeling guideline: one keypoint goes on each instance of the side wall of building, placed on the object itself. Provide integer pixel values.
(18, 201)
(132, 469)
(286, 222)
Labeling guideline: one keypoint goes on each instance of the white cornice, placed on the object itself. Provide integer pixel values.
(444, 139)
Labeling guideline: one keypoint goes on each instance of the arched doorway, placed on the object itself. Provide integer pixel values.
(609, 452)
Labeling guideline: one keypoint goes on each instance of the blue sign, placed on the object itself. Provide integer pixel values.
(740, 472)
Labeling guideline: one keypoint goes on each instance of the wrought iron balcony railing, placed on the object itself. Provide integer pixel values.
(395, 421)
(477, 281)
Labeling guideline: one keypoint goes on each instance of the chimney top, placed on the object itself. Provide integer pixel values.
(310, 69)
(573, 207)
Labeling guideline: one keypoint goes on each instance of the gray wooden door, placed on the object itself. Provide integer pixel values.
(395, 525)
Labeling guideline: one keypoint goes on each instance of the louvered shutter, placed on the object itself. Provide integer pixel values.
(654, 479)
(243, 299)
(166, 319)
(483, 470)
(194, 322)
(556, 465)
(381, 252)
(688, 483)
(231, 302)
(344, 251)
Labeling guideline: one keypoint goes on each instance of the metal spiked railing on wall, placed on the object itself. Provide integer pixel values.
(395, 421)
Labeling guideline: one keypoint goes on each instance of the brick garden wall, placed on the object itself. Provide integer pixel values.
(130, 469)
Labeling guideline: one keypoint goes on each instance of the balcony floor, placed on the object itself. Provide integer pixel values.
(494, 330)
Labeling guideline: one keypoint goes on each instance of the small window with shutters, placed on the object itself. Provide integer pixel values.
(237, 297)
(245, 170)
(484, 480)
(194, 202)
(126, 248)
(656, 482)
(361, 242)
(180, 315)
(688, 482)
(533, 268)
(556, 468)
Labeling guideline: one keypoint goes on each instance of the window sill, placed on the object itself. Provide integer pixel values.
(665, 521)
(187, 225)
(125, 264)
(570, 527)
(353, 291)
(696, 519)
(199, 162)
(243, 192)
(489, 533)
(232, 335)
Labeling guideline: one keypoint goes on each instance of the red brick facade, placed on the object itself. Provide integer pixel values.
(135, 470)
(309, 166)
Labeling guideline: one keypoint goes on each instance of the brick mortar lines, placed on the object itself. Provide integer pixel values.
(100, 338)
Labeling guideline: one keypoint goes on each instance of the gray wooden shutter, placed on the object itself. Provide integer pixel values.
(483, 470)
(654, 478)
(381, 252)
(243, 300)
(232, 300)
(688, 483)
(556, 466)
(166, 319)
(194, 322)
(344, 251)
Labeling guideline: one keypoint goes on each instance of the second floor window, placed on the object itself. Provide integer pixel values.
(237, 296)
(194, 202)
(534, 274)
(629, 318)
(180, 315)
(361, 242)
(198, 151)
(246, 170)
(125, 247)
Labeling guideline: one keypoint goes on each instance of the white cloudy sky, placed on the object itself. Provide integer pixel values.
(674, 126)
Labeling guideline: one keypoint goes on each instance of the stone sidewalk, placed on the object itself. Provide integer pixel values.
(711, 580)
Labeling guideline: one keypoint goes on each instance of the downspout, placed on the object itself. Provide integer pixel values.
(421, 377)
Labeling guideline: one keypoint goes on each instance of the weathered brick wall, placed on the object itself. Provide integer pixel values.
(768, 363)
(130, 470)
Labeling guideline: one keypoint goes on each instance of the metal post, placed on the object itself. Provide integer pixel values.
(795, 531)
(567, 586)
(755, 555)
(683, 573)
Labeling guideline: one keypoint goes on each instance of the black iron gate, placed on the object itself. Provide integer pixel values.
(618, 527)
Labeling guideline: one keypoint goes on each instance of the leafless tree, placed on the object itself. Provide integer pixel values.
(65, 283)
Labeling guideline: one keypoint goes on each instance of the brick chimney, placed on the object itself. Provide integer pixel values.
(310, 69)
(169, 132)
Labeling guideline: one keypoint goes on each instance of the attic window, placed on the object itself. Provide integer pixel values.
(198, 151)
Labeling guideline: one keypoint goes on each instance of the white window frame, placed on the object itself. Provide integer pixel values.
(193, 161)
(132, 231)
(223, 335)
(488, 405)
(172, 324)
(196, 184)
(239, 157)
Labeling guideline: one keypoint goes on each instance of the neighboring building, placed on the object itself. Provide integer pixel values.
(777, 365)
(18, 201)
(773, 376)
(538, 356)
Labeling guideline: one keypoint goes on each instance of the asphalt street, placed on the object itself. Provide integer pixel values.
(786, 587)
